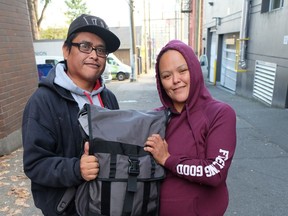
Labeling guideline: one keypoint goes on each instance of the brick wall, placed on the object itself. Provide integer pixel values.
(18, 72)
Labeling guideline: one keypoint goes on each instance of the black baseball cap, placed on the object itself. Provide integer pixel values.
(96, 25)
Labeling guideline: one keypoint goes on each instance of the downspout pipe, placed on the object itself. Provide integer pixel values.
(244, 33)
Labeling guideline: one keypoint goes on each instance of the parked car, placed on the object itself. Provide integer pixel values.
(53, 60)
(45, 64)
(119, 70)
(204, 65)
(43, 70)
(106, 75)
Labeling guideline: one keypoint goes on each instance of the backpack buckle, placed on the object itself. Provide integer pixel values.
(134, 168)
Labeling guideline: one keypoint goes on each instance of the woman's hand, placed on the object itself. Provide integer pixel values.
(158, 148)
(89, 165)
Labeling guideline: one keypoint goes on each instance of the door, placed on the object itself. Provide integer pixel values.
(228, 72)
(213, 58)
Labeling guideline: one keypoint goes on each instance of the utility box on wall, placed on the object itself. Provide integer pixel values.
(18, 73)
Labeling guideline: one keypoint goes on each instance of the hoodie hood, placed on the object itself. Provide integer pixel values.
(198, 92)
(81, 96)
(64, 81)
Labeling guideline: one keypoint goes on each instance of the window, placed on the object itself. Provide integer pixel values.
(276, 4)
(51, 61)
(269, 5)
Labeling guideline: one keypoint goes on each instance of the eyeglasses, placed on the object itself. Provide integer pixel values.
(88, 48)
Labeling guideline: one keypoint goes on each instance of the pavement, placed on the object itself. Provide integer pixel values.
(258, 176)
(257, 179)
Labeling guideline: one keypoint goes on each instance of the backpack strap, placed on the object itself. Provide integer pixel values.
(146, 196)
(106, 187)
(133, 172)
(105, 197)
(65, 200)
(147, 188)
(90, 128)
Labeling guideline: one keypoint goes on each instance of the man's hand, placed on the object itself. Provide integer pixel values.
(89, 165)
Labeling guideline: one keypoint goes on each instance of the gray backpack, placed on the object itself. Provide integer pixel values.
(129, 178)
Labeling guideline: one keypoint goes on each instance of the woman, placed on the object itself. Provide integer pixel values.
(200, 137)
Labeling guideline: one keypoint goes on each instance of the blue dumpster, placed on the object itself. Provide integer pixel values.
(43, 70)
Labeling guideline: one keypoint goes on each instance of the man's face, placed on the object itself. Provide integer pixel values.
(85, 68)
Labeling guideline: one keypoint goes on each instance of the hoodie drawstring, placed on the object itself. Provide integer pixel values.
(97, 86)
(91, 101)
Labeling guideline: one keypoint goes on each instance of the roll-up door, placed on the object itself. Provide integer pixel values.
(213, 58)
(228, 72)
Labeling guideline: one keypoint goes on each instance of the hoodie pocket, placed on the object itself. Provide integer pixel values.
(183, 207)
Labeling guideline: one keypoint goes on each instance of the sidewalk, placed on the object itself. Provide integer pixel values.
(257, 180)
(271, 123)
(16, 198)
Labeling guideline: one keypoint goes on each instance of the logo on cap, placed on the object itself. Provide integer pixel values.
(95, 21)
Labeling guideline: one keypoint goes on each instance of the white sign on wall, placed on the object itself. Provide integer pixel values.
(285, 41)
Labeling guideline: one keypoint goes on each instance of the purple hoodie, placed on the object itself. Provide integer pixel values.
(201, 140)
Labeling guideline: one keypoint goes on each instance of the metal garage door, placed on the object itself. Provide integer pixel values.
(228, 73)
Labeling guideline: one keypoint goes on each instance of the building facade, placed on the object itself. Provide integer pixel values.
(246, 43)
(18, 73)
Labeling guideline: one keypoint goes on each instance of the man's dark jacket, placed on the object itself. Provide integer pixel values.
(53, 144)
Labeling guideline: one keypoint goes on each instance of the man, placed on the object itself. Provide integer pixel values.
(53, 157)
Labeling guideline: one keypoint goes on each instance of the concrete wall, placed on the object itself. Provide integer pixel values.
(266, 32)
(226, 9)
(48, 47)
(18, 72)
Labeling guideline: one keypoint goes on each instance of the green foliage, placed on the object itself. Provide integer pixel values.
(75, 8)
(53, 33)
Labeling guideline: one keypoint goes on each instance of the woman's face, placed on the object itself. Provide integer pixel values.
(175, 77)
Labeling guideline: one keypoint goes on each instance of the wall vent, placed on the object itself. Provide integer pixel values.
(264, 81)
